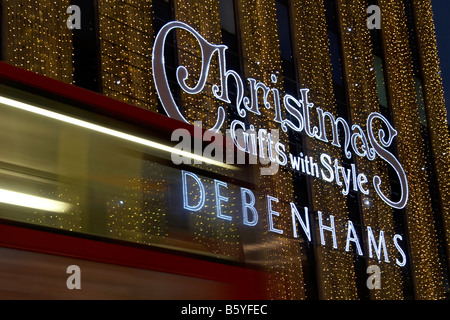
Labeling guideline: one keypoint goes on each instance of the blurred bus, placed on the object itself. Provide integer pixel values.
(86, 180)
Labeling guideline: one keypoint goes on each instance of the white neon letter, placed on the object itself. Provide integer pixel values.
(303, 223)
(201, 201)
(402, 253)
(248, 206)
(220, 198)
(331, 228)
(381, 245)
(271, 213)
(386, 141)
(160, 76)
(353, 237)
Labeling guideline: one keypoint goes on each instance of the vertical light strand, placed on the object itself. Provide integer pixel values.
(137, 213)
(422, 235)
(37, 38)
(219, 236)
(435, 106)
(126, 40)
(363, 99)
(261, 54)
(203, 16)
(334, 266)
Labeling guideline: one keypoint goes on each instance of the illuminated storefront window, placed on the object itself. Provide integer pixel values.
(362, 159)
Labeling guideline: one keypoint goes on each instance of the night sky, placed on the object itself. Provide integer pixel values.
(441, 10)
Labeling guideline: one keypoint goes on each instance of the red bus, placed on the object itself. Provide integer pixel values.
(84, 182)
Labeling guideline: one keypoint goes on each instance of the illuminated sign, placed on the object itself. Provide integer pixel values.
(195, 191)
(291, 113)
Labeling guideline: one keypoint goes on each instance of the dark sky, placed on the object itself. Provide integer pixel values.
(441, 10)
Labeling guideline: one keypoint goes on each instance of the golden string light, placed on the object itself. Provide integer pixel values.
(137, 213)
(334, 267)
(37, 38)
(422, 235)
(261, 54)
(220, 236)
(436, 111)
(126, 40)
(204, 17)
(363, 100)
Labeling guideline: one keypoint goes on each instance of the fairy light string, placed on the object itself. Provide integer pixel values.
(37, 38)
(363, 100)
(435, 106)
(219, 236)
(126, 40)
(136, 212)
(334, 267)
(203, 16)
(261, 54)
(422, 235)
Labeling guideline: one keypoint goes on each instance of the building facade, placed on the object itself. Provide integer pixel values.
(359, 205)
